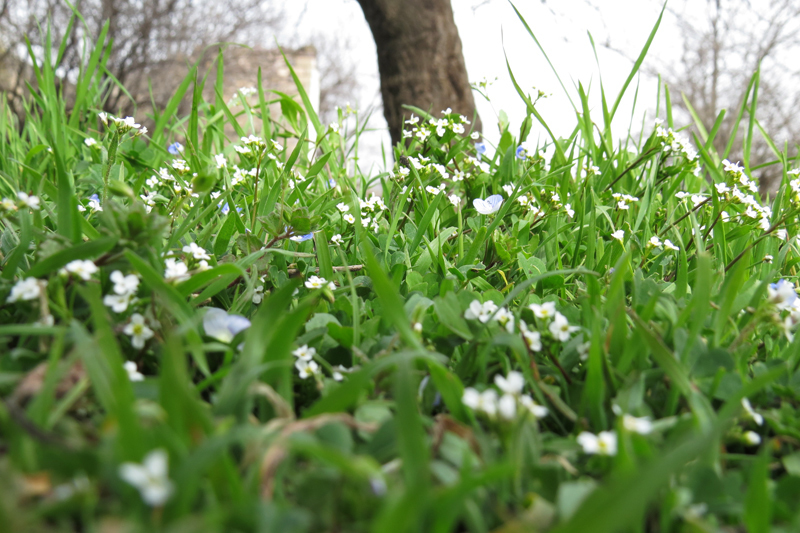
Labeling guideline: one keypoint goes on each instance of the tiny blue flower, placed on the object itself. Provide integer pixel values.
(225, 209)
(175, 148)
(481, 148)
(331, 183)
(94, 197)
(522, 153)
(301, 238)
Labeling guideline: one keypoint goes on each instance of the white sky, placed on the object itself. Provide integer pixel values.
(486, 27)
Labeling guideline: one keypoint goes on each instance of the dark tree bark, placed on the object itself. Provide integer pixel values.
(419, 58)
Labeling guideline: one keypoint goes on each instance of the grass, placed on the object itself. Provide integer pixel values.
(234, 335)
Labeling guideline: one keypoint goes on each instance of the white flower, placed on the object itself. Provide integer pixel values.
(757, 418)
(150, 478)
(583, 350)
(768, 259)
(90, 142)
(417, 326)
(619, 235)
(669, 246)
(560, 328)
(7, 204)
(28, 201)
(304, 353)
(133, 372)
(655, 242)
(94, 204)
(782, 294)
(349, 218)
(505, 318)
(306, 368)
(316, 282)
(782, 234)
(455, 200)
(490, 205)
(751, 438)
(337, 239)
(480, 311)
(138, 331)
(117, 302)
(507, 407)
(485, 401)
(103, 117)
(26, 289)
(335, 127)
(532, 338)
(196, 251)
(176, 270)
(202, 266)
(508, 189)
(258, 294)
(220, 160)
(641, 425)
(222, 326)
(342, 207)
(545, 310)
(512, 384)
(722, 188)
(82, 269)
(538, 411)
(604, 443)
(124, 284)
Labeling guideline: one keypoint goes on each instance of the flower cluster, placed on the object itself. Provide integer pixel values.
(509, 404)
(24, 200)
(121, 125)
(438, 127)
(677, 145)
(124, 291)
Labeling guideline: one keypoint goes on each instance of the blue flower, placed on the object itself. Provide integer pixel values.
(331, 183)
(222, 326)
(94, 197)
(301, 238)
(522, 153)
(226, 209)
(481, 148)
(175, 148)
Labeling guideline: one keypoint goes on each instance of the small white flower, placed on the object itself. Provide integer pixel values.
(455, 200)
(506, 319)
(751, 438)
(641, 425)
(82, 269)
(28, 201)
(669, 246)
(117, 302)
(133, 372)
(604, 443)
(224, 327)
(560, 328)
(220, 160)
(334, 127)
(337, 239)
(485, 401)
(304, 353)
(538, 411)
(306, 368)
(350, 219)
(768, 259)
(124, 284)
(26, 290)
(150, 478)
(512, 384)
(196, 251)
(545, 310)
(316, 282)
(90, 142)
(757, 418)
(490, 205)
(619, 235)
(258, 295)
(176, 270)
(138, 331)
(507, 407)
(583, 350)
(655, 242)
(417, 326)
(532, 338)
(342, 207)
(480, 311)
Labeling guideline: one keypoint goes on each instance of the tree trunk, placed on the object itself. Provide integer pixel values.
(419, 58)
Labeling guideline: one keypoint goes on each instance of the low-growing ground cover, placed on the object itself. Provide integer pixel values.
(235, 335)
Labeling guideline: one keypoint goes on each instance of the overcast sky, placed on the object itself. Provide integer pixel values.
(487, 28)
